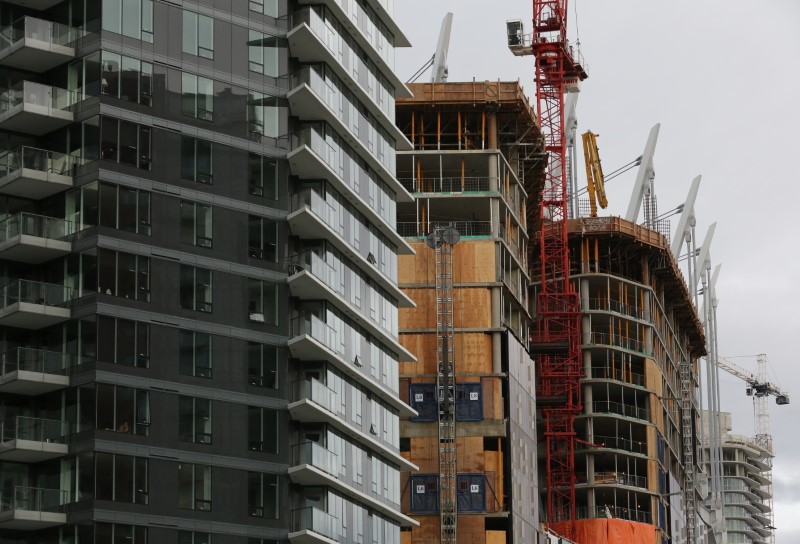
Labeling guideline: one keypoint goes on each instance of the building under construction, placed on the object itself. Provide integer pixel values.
(478, 166)
(477, 148)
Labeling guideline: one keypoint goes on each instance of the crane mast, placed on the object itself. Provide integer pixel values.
(555, 341)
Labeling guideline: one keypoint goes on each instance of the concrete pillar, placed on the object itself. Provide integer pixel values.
(497, 352)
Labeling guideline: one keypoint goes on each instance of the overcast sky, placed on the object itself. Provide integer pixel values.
(722, 78)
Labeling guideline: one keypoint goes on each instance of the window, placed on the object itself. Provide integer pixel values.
(195, 291)
(196, 224)
(120, 208)
(198, 35)
(263, 238)
(267, 7)
(132, 18)
(424, 493)
(194, 487)
(262, 365)
(195, 354)
(262, 495)
(196, 160)
(124, 142)
(123, 275)
(198, 97)
(126, 78)
(123, 409)
(123, 342)
(120, 478)
(117, 533)
(262, 429)
(263, 51)
(263, 114)
(194, 420)
(263, 174)
(193, 537)
(262, 302)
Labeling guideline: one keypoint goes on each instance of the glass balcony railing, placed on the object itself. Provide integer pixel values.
(34, 429)
(610, 407)
(38, 360)
(314, 519)
(37, 29)
(32, 499)
(316, 328)
(317, 392)
(34, 225)
(40, 160)
(34, 292)
(311, 453)
(36, 94)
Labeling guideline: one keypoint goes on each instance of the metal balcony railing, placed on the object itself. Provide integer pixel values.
(38, 360)
(34, 292)
(314, 519)
(40, 30)
(410, 229)
(34, 429)
(617, 443)
(40, 160)
(617, 340)
(311, 453)
(610, 407)
(39, 226)
(619, 478)
(32, 499)
(604, 304)
(618, 374)
(618, 512)
(448, 184)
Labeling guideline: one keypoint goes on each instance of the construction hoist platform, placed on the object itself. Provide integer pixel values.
(442, 240)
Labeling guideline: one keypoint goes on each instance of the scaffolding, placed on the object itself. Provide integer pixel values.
(688, 451)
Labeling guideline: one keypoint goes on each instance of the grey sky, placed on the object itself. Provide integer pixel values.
(721, 77)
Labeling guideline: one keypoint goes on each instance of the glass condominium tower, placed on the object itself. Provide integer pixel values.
(198, 272)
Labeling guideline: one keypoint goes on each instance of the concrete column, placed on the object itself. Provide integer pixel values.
(497, 352)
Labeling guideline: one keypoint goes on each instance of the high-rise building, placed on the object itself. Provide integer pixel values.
(746, 485)
(477, 147)
(198, 305)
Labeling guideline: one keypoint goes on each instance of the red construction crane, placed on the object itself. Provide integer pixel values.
(556, 342)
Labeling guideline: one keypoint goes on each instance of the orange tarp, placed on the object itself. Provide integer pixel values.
(608, 531)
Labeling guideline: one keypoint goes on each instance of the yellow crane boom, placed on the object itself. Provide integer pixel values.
(594, 173)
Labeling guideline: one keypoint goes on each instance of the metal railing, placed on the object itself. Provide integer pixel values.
(314, 519)
(615, 512)
(617, 443)
(611, 407)
(40, 30)
(34, 292)
(620, 478)
(311, 453)
(617, 340)
(449, 184)
(617, 307)
(30, 224)
(40, 160)
(37, 94)
(410, 229)
(34, 429)
(38, 360)
(316, 392)
(33, 499)
(618, 374)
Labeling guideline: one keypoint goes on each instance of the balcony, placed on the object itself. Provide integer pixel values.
(611, 407)
(617, 443)
(614, 478)
(32, 508)
(26, 371)
(36, 45)
(312, 464)
(30, 304)
(34, 239)
(618, 341)
(474, 229)
(32, 440)
(34, 173)
(617, 374)
(313, 526)
(617, 512)
(35, 109)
